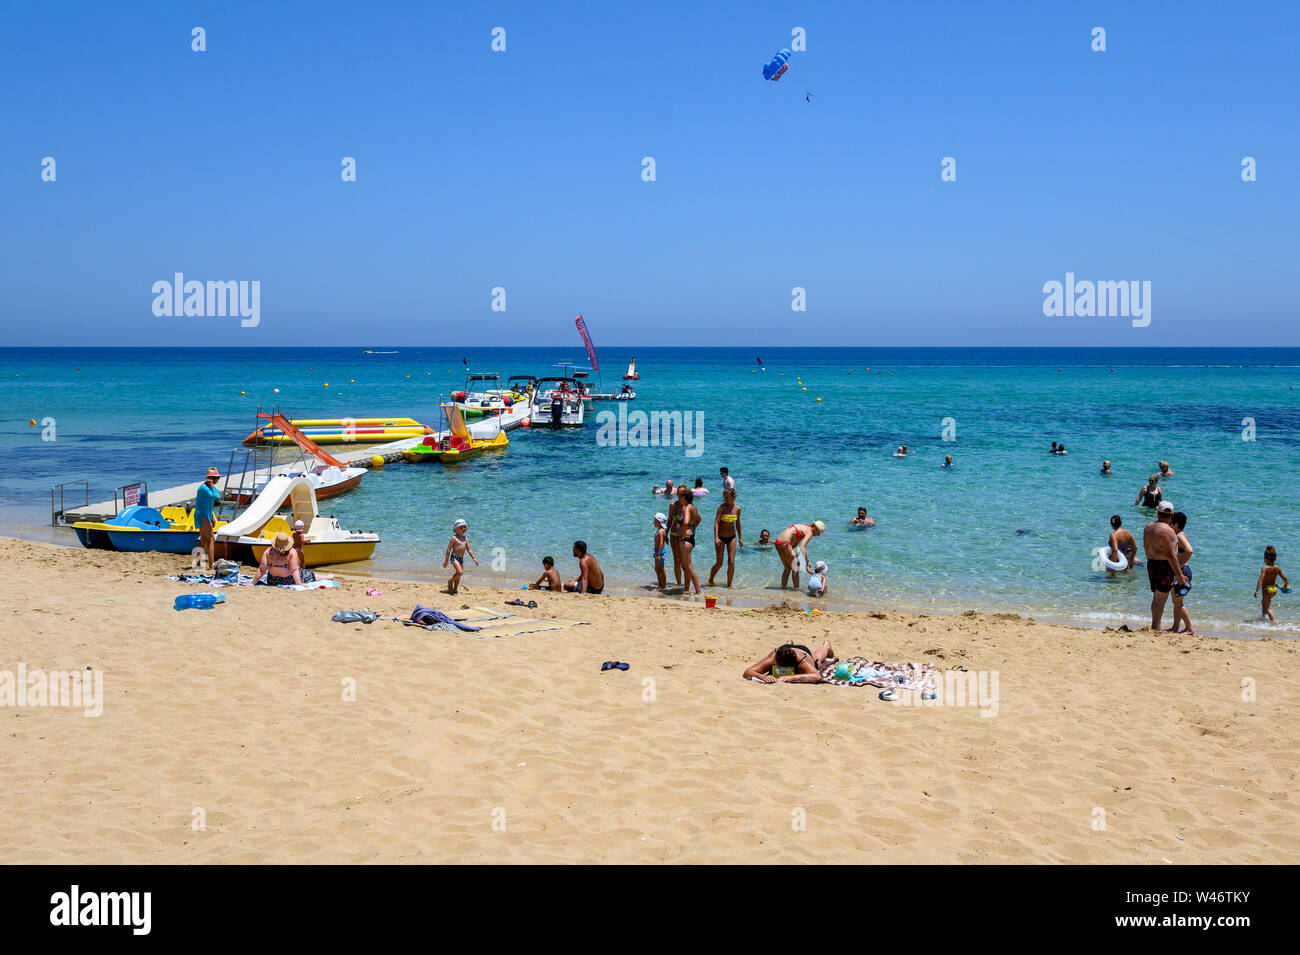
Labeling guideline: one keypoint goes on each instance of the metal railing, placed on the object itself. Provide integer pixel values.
(56, 513)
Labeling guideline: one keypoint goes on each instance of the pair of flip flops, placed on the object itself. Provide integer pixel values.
(614, 665)
(531, 605)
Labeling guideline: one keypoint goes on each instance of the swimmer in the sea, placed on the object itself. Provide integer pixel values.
(1122, 542)
(764, 538)
(1268, 576)
(862, 520)
(947, 460)
(1165, 472)
(1150, 495)
(1105, 468)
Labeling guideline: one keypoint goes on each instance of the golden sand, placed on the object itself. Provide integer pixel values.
(226, 736)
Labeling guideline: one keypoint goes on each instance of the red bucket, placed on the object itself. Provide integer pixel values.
(710, 602)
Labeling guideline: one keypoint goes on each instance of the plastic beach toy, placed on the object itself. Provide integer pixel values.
(198, 601)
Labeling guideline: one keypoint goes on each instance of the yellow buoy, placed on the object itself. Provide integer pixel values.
(377, 461)
(819, 399)
(243, 392)
(352, 381)
(327, 384)
(803, 389)
(32, 422)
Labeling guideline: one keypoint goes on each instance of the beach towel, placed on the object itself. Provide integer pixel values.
(212, 581)
(355, 616)
(492, 623)
(900, 676)
(314, 585)
(431, 619)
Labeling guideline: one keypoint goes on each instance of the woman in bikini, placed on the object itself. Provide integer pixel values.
(726, 535)
(791, 663)
(280, 563)
(792, 545)
(688, 520)
(675, 537)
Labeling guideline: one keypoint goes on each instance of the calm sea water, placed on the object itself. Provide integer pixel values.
(1009, 527)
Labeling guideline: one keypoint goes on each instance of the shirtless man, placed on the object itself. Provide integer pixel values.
(1160, 542)
(1150, 494)
(591, 580)
(1122, 542)
(791, 663)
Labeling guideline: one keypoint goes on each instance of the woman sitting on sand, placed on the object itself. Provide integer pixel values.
(792, 546)
(791, 663)
(280, 564)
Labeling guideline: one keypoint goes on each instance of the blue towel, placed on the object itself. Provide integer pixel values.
(428, 617)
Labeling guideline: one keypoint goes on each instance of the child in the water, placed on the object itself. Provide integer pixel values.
(764, 538)
(817, 580)
(1268, 576)
(660, 545)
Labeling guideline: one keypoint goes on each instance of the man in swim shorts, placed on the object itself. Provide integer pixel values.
(591, 580)
(1160, 542)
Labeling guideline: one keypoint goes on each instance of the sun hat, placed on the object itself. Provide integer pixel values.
(820, 525)
(1165, 507)
(298, 525)
(661, 518)
(820, 567)
(213, 472)
(282, 542)
(460, 523)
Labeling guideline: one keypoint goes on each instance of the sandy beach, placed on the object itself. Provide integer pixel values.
(225, 736)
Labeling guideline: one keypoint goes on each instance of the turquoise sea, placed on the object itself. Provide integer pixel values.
(1009, 527)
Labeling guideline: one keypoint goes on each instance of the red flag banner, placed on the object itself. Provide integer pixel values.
(586, 340)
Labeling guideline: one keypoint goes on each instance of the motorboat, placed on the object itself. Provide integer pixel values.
(557, 403)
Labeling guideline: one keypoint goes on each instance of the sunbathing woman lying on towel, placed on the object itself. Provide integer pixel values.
(791, 663)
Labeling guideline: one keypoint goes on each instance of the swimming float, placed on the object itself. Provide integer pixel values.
(1104, 554)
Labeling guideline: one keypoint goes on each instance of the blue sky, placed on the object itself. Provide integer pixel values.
(522, 170)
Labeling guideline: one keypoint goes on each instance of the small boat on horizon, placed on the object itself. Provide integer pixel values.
(630, 374)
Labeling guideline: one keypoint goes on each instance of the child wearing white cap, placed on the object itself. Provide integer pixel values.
(661, 543)
(817, 580)
(457, 548)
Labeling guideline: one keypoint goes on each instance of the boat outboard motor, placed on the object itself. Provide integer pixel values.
(557, 411)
